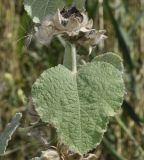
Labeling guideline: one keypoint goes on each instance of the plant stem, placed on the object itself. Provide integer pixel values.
(70, 60)
(123, 126)
(112, 150)
(74, 59)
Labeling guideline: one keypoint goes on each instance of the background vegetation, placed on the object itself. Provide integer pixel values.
(21, 64)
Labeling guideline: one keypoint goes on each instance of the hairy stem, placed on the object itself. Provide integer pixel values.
(74, 59)
(70, 57)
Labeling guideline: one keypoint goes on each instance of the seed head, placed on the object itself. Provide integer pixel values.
(72, 23)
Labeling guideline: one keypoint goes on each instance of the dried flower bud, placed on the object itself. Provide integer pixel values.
(92, 38)
(50, 155)
(70, 21)
(44, 33)
(73, 23)
(90, 157)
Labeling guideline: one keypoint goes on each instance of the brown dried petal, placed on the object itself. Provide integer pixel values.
(89, 25)
(73, 24)
(99, 36)
(92, 38)
(58, 20)
(90, 157)
(85, 19)
(45, 31)
(50, 155)
(74, 156)
(45, 35)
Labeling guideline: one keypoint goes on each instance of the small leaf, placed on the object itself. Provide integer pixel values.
(68, 2)
(79, 105)
(5, 136)
(79, 3)
(111, 58)
(39, 9)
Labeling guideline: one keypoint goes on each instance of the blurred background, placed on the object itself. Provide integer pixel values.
(23, 59)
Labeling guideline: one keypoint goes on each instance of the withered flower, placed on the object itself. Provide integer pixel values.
(50, 155)
(92, 38)
(72, 23)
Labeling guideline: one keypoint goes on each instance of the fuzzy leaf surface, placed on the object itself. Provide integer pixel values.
(79, 3)
(5, 136)
(39, 9)
(111, 58)
(79, 105)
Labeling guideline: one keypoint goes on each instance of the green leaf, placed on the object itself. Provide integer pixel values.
(39, 9)
(68, 2)
(79, 105)
(67, 62)
(111, 58)
(5, 136)
(79, 3)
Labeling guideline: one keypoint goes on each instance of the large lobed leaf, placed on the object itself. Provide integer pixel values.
(39, 9)
(79, 3)
(79, 105)
(111, 58)
(5, 136)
